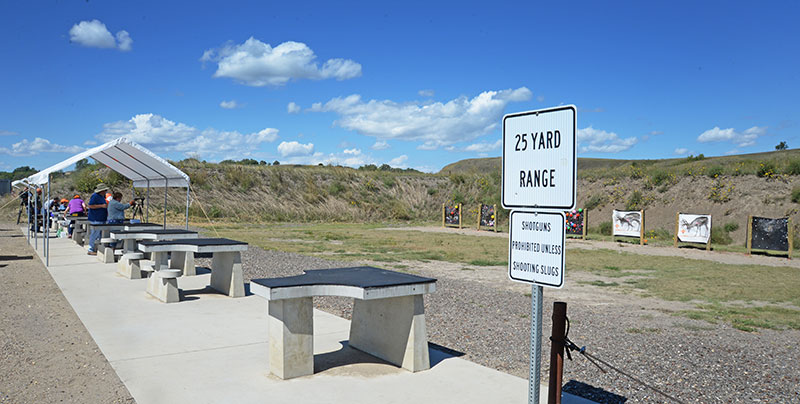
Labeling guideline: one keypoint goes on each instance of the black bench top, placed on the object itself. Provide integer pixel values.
(200, 242)
(362, 277)
(156, 231)
(128, 224)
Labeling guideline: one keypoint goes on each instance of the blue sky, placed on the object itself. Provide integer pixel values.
(412, 84)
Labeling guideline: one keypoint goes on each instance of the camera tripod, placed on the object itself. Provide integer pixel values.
(137, 210)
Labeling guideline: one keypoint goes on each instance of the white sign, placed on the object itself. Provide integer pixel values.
(539, 159)
(536, 248)
(627, 223)
(694, 228)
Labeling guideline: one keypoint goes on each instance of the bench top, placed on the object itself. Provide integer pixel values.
(194, 245)
(155, 234)
(357, 282)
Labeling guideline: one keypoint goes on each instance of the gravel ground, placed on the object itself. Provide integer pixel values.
(46, 354)
(483, 315)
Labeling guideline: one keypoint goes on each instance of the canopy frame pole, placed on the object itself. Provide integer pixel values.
(166, 187)
(147, 205)
(35, 222)
(187, 207)
(47, 226)
(28, 211)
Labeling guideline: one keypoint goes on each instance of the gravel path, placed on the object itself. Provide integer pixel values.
(486, 317)
(46, 354)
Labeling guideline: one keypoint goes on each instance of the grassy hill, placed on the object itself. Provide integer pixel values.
(729, 187)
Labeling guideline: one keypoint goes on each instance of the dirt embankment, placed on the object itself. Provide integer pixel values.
(738, 197)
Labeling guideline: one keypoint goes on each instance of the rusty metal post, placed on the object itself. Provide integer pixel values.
(557, 352)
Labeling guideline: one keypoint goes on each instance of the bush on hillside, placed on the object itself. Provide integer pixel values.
(766, 169)
(796, 194)
(731, 226)
(605, 228)
(720, 236)
(635, 202)
(793, 168)
(595, 201)
(715, 171)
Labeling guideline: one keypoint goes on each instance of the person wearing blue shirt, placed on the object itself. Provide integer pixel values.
(116, 209)
(98, 214)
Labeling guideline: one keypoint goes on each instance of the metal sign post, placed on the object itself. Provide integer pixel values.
(539, 173)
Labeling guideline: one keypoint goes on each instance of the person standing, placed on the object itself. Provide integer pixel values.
(116, 209)
(98, 214)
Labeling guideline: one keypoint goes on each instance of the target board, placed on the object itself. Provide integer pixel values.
(694, 228)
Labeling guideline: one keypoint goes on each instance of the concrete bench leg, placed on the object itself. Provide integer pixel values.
(77, 235)
(226, 273)
(291, 337)
(159, 260)
(105, 254)
(130, 269)
(392, 329)
(164, 289)
(183, 260)
(128, 246)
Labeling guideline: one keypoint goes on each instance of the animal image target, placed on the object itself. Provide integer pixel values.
(575, 222)
(486, 216)
(628, 223)
(451, 215)
(691, 228)
(769, 234)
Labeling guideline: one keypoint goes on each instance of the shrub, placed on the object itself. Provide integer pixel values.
(659, 177)
(732, 226)
(433, 191)
(796, 194)
(720, 236)
(794, 167)
(595, 201)
(605, 228)
(388, 181)
(635, 202)
(336, 188)
(715, 171)
(766, 169)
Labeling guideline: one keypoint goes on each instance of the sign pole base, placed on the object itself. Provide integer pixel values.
(536, 344)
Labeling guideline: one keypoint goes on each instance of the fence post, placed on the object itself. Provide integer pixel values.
(677, 228)
(789, 230)
(557, 352)
(442, 215)
(585, 223)
(460, 217)
(749, 234)
(641, 230)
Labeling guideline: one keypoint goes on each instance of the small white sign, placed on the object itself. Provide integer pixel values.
(539, 159)
(536, 248)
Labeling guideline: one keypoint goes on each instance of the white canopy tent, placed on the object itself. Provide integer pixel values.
(144, 168)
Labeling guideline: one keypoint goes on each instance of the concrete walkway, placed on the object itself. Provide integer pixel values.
(210, 348)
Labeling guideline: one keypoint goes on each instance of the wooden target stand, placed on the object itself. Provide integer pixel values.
(750, 237)
(641, 230)
(582, 236)
(494, 213)
(444, 215)
(677, 229)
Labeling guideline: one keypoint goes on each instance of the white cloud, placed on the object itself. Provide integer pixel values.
(681, 151)
(594, 140)
(38, 145)
(352, 152)
(540, 98)
(258, 64)
(426, 93)
(399, 161)
(162, 135)
(740, 139)
(7, 133)
(293, 148)
(380, 145)
(94, 34)
(435, 124)
(230, 104)
(90, 143)
(292, 108)
(484, 147)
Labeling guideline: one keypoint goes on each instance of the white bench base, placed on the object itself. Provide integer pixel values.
(226, 273)
(392, 329)
(183, 260)
(164, 289)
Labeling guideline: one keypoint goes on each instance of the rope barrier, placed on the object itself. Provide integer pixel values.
(571, 346)
(204, 211)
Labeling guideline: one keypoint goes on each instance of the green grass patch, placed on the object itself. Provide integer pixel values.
(747, 318)
(488, 263)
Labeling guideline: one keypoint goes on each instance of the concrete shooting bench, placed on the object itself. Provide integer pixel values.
(226, 265)
(79, 229)
(388, 316)
(104, 252)
(129, 262)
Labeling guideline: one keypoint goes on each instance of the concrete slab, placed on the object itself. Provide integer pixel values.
(210, 348)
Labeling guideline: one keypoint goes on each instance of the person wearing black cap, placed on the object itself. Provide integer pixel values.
(98, 214)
